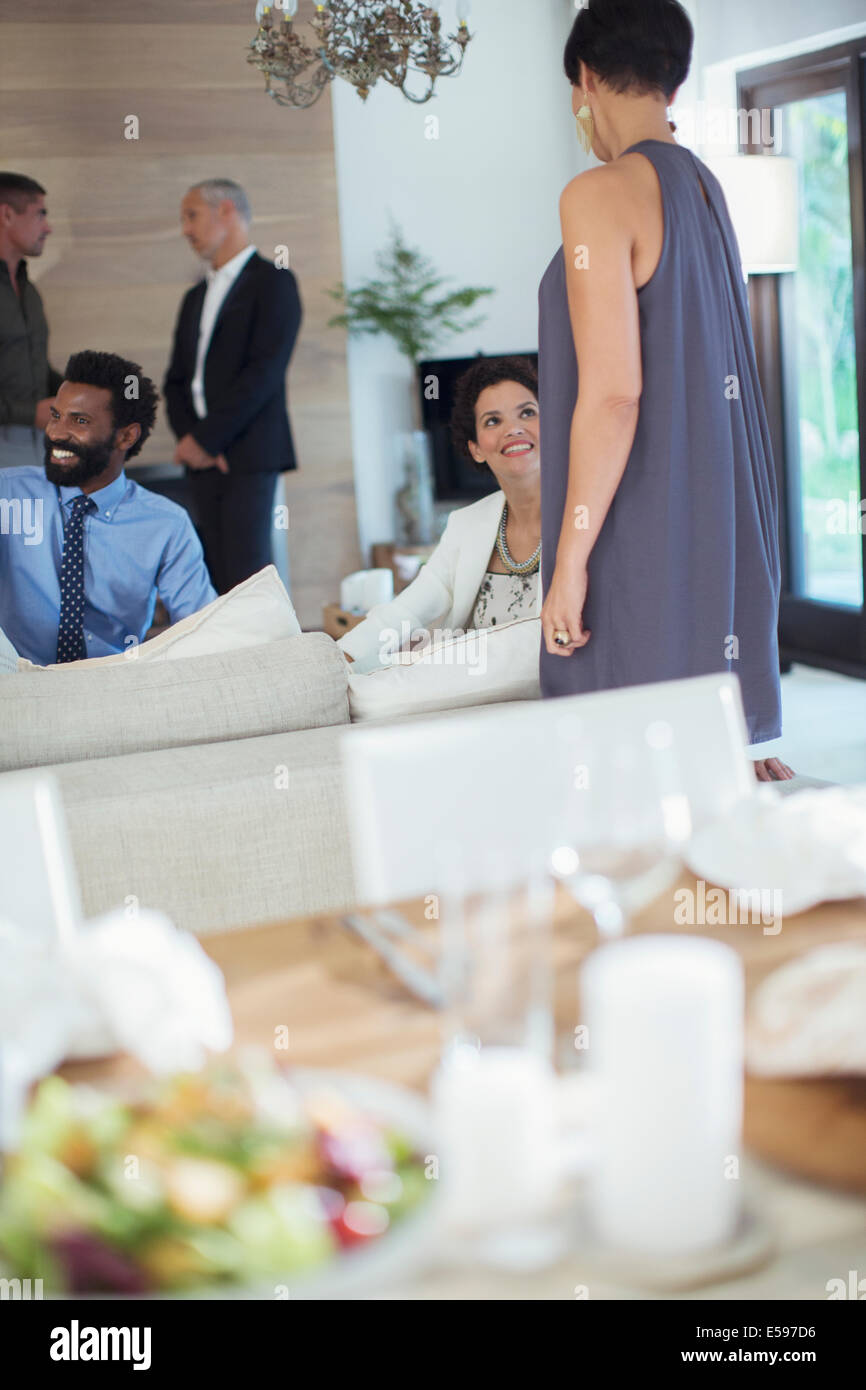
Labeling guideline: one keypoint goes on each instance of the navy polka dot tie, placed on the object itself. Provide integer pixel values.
(70, 636)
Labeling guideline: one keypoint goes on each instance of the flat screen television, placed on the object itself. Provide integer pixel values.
(454, 478)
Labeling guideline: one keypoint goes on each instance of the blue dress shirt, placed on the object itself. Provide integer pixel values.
(137, 545)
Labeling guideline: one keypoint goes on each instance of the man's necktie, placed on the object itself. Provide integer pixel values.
(70, 636)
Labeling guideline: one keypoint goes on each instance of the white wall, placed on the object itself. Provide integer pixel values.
(481, 200)
(742, 26)
(742, 34)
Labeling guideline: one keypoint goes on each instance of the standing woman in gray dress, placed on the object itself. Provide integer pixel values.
(659, 515)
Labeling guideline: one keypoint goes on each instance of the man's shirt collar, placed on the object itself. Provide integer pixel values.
(105, 498)
(20, 274)
(232, 268)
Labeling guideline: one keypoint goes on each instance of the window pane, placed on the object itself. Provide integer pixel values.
(826, 487)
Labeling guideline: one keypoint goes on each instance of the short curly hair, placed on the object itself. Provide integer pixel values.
(486, 371)
(639, 46)
(114, 374)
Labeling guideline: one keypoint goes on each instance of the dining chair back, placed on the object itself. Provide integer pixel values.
(38, 882)
(485, 795)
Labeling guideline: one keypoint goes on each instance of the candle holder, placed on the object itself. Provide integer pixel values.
(750, 1246)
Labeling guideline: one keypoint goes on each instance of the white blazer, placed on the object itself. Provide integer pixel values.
(444, 592)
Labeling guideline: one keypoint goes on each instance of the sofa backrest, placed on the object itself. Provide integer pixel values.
(62, 716)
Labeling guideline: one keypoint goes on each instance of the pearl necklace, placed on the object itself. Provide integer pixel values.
(527, 566)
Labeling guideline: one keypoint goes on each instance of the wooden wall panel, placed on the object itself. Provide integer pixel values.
(172, 121)
(131, 57)
(116, 266)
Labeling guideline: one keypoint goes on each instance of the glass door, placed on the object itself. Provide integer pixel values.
(819, 362)
(810, 330)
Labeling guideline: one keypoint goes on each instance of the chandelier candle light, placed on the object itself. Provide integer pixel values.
(361, 41)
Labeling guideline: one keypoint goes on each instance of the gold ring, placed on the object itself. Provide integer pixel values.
(561, 638)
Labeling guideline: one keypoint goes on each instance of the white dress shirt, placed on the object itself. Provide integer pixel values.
(219, 282)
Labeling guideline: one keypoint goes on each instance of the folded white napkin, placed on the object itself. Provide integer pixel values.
(136, 985)
(810, 848)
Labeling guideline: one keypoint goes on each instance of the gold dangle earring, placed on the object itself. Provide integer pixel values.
(583, 120)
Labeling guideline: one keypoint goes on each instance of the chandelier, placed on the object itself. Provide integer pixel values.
(359, 40)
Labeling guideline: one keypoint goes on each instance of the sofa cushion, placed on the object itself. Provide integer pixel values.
(256, 611)
(482, 667)
(217, 836)
(100, 711)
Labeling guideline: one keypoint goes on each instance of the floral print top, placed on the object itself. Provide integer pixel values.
(503, 598)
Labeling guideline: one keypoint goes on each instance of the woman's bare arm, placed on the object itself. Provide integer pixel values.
(603, 308)
(597, 217)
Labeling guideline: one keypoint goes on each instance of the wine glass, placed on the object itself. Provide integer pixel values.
(626, 827)
(494, 1093)
(495, 961)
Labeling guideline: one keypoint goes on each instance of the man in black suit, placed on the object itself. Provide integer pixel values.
(225, 387)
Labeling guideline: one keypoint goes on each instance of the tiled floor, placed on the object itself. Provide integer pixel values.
(824, 725)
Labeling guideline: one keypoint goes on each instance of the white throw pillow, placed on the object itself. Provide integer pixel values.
(257, 611)
(480, 668)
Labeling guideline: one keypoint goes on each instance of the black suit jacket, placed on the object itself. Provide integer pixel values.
(244, 370)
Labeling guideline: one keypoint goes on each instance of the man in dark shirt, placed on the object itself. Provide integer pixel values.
(27, 382)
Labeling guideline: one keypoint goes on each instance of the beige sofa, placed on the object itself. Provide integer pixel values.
(209, 787)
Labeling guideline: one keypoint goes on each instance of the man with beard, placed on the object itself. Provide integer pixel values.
(85, 552)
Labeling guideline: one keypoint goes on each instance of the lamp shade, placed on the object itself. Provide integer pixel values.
(762, 198)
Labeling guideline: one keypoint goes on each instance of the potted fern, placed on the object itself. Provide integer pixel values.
(409, 303)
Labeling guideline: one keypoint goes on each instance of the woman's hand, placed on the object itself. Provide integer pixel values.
(563, 610)
(773, 770)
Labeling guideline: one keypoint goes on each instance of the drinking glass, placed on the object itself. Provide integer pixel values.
(495, 963)
(625, 829)
(494, 1093)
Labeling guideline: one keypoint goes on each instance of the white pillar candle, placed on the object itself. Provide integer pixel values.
(495, 1126)
(665, 1031)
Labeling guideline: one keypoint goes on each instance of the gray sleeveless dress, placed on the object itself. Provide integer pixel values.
(684, 577)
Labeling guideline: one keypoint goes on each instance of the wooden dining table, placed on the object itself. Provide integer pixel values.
(315, 994)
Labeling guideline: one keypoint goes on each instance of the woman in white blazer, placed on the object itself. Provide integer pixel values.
(485, 570)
